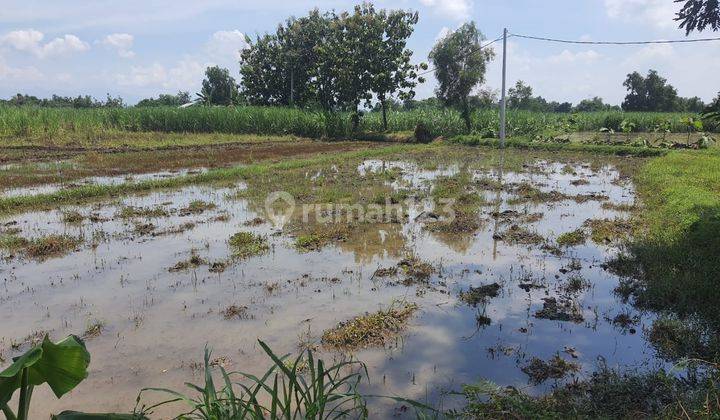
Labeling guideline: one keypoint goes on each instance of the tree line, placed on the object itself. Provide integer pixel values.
(359, 60)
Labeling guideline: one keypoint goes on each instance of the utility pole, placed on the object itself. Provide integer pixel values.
(502, 100)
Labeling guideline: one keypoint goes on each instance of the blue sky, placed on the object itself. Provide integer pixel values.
(140, 48)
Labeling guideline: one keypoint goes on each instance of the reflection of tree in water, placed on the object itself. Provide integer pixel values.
(458, 242)
(382, 240)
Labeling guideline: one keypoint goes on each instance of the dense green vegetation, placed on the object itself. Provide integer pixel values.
(675, 264)
(56, 123)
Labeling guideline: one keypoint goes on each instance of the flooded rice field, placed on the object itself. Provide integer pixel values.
(497, 261)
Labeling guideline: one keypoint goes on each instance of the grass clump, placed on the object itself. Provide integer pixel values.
(570, 239)
(540, 371)
(197, 207)
(370, 329)
(40, 248)
(193, 262)
(516, 235)
(130, 212)
(247, 244)
(606, 231)
(322, 235)
(605, 394)
(72, 217)
(415, 270)
(477, 295)
(302, 387)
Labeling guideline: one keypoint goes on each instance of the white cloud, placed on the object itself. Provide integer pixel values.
(31, 41)
(566, 56)
(19, 74)
(225, 44)
(186, 74)
(453, 9)
(658, 13)
(121, 43)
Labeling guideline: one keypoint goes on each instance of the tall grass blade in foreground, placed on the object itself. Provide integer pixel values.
(303, 388)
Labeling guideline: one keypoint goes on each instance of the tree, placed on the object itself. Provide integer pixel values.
(166, 100)
(697, 15)
(218, 88)
(391, 71)
(651, 93)
(519, 96)
(285, 68)
(460, 66)
(693, 104)
(714, 106)
(593, 105)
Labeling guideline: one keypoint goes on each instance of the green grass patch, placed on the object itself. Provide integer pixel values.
(371, 329)
(574, 238)
(674, 262)
(247, 244)
(519, 143)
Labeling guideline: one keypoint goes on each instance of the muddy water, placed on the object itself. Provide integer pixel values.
(156, 322)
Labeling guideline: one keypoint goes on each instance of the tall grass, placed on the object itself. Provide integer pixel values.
(88, 124)
(300, 388)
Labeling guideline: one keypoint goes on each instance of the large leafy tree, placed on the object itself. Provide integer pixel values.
(520, 96)
(650, 93)
(697, 15)
(218, 88)
(391, 70)
(283, 68)
(460, 64)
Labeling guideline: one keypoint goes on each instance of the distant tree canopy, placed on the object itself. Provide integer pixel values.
(333, 61)
(714, 106)
(460, 64)
(56, 101)
(594, 105)
(218, 88)
(166, 100)
(654, 93)
(697, 15)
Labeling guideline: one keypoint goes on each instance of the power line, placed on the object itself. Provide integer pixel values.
(480, 48)
(565, 41)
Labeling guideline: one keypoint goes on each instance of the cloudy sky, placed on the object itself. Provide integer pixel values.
(138, 48)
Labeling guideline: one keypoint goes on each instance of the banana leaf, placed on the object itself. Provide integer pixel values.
(61, 365)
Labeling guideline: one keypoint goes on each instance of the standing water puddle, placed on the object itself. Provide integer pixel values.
(540, 300)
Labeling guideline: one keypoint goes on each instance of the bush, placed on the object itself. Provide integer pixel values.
(422, 134)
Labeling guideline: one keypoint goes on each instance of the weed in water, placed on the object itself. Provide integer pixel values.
(560, 309)
(477, 295)
(197, 207)
(540, 371)
(516, 235)
(235, 312)
(247, 244)
(574, 238)
(370, 329)
(193, 262)
(608, 231)
(72, 217)
(415, 270)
